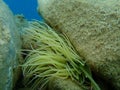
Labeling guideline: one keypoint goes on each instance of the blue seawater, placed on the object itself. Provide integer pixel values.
(26, 7)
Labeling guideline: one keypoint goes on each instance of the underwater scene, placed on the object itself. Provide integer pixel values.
(28, 8)
(59, 44)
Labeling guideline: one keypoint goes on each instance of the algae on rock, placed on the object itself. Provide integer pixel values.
(93, 26)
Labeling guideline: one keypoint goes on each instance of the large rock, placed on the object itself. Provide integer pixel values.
(63, 84)
(9, 48)
(93, 26)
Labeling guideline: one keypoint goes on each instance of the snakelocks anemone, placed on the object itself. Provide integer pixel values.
(52, 55)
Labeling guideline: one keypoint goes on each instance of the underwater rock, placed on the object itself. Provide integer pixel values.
(9, 48)
(22, 23)
(63, 84)
(93, 27)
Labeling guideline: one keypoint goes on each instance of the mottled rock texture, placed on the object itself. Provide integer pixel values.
(93, 27)
(63, 84)
(9, 48)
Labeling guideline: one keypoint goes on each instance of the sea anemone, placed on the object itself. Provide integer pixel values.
(52, 55)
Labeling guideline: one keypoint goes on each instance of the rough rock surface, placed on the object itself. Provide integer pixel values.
(93, 26)
(63, 84)
(9, 48)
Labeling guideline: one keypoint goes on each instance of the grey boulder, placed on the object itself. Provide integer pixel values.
(93, 27)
